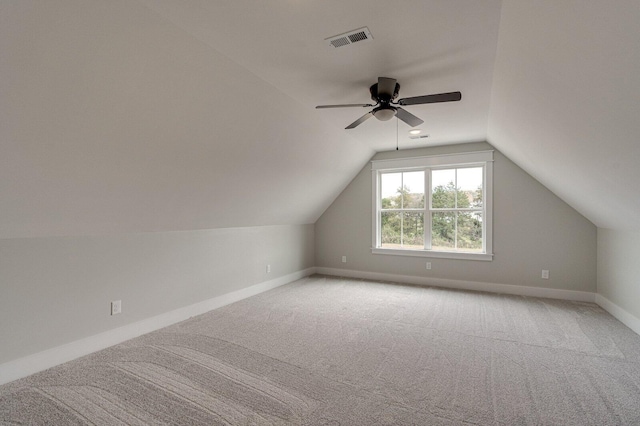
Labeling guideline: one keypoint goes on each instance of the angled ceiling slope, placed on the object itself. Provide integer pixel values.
(566, 102)
(113, 119)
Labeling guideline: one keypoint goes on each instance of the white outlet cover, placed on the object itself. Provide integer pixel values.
(116, 307)
(344, 259)
(545, 274)
(428, 265)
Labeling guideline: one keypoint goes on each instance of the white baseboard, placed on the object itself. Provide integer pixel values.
(550, 293)
(619, 313)
(40, 361)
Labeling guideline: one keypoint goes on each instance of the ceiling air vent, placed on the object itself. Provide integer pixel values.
(355, 36)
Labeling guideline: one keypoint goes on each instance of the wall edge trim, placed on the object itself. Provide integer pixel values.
(619, 313)
(31, 364)
(544, 292)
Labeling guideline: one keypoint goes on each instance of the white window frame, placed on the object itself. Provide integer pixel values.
(482, 159)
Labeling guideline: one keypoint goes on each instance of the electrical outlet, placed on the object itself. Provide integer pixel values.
(545, 274)
(268, 269)
(116, 307)
(344, 259)
(428, 265)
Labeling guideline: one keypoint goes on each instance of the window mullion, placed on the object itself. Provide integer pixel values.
(455, 230)
(402, 209)
(455, 188)
(427, 209)
(401, 229)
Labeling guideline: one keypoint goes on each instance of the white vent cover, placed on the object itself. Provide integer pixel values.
(355, 36)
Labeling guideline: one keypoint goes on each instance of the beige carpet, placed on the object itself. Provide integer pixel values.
(329, 351)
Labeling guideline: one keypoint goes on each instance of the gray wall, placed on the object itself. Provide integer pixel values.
(57, 290)
(532, 230)
(619, 268)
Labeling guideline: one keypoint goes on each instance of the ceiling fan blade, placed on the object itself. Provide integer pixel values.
(344, 106)
(408, 118)
(431, 99)
(360, 120)
(386, 87)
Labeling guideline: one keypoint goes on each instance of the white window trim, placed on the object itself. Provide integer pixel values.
(484, 158)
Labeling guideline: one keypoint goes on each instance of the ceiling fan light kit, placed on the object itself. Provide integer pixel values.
(384, 112)
(383, 93)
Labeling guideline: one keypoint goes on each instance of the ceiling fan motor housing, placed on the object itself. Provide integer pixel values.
(383, 97)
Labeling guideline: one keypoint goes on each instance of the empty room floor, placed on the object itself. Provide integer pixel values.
(336, 351)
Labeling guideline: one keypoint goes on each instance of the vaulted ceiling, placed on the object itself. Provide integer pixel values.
(155, 115)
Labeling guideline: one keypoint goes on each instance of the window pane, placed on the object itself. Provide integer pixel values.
(391, 225)
(413, 231)
(443, 190)
(390, 185)
(413, 190)
(470, 231)
(470, 182)
(443, 229)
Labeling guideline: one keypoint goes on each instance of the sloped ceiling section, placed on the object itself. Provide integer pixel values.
(429, 46)
(114, 120)
(566, 102)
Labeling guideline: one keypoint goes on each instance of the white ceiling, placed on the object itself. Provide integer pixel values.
(158, 115)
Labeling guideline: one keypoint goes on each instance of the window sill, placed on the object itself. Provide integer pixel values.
(433, 254)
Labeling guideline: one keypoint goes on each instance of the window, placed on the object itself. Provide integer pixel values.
(437, 206)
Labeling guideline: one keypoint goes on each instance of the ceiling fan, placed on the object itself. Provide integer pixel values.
(383, 93)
